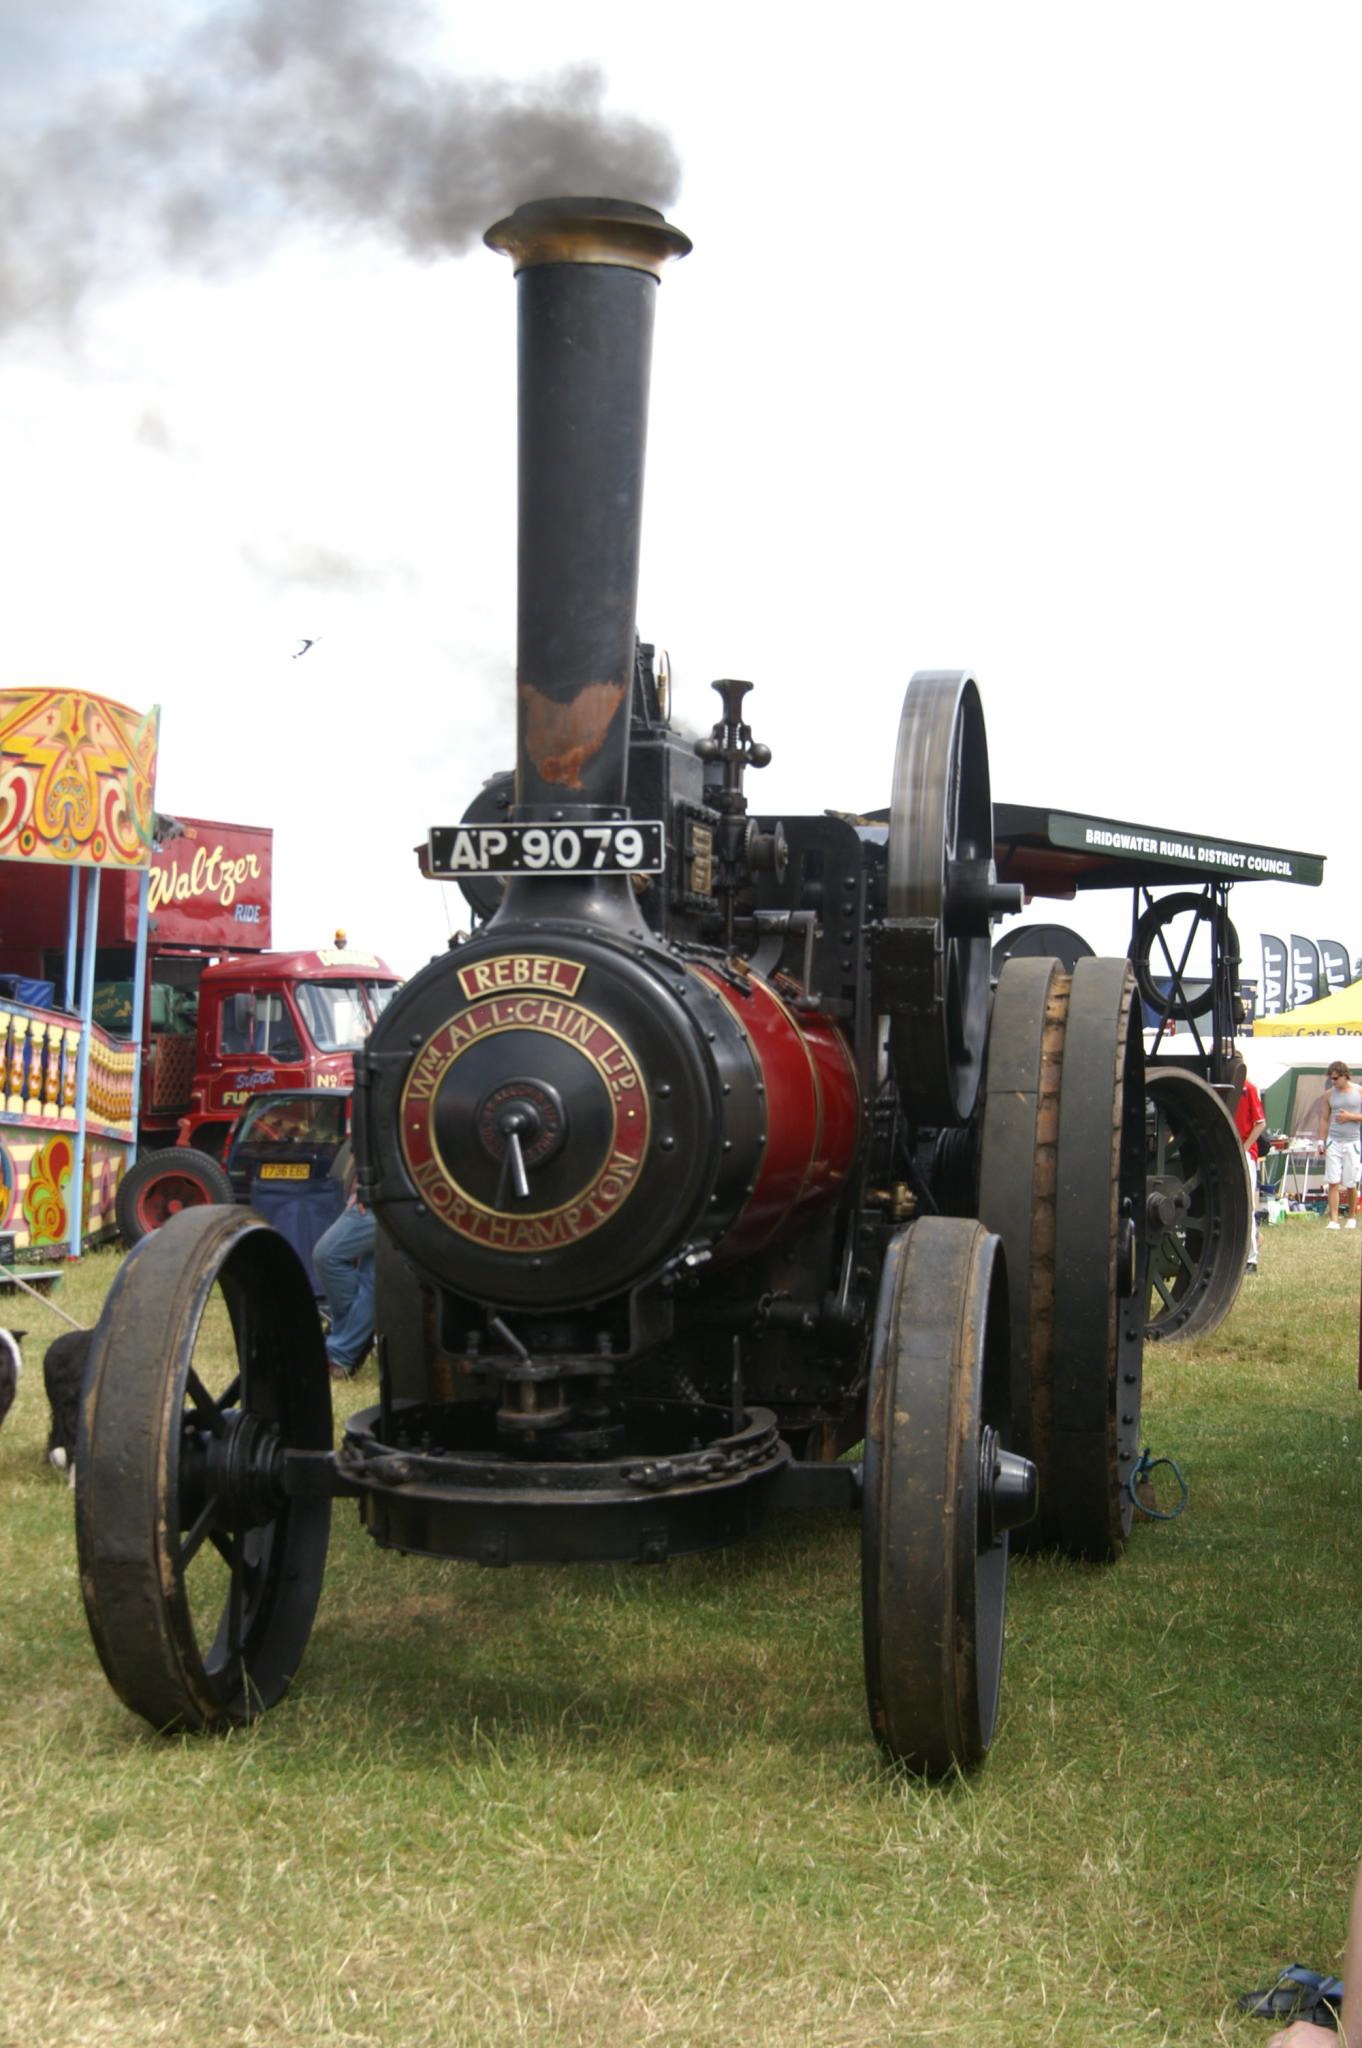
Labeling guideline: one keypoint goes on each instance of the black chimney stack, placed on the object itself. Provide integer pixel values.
(587, 271)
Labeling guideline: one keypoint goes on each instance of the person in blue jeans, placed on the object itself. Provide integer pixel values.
(344, 1260)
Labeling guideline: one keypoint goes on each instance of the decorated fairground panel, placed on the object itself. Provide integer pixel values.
(77, 780)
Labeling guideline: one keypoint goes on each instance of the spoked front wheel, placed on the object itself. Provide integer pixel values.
(1199, 1203)
(200, 1572)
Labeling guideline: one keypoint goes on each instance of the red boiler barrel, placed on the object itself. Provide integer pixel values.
(813, 1097)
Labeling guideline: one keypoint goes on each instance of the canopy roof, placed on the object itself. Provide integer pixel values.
(1057, 853)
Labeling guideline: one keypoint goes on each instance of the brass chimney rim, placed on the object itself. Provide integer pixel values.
(609, 231)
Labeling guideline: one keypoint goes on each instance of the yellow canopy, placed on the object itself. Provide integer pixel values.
(1339, 1013)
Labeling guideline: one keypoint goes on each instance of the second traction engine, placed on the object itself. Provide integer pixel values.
(712, 1173)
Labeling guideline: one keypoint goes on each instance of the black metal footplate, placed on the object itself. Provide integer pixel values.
(435, 1481)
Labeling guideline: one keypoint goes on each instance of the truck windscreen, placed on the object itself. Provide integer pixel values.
(335, 1014)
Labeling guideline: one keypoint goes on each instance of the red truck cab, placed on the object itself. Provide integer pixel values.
(277, 1020)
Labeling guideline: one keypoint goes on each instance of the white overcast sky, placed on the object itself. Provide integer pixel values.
(1017, 338)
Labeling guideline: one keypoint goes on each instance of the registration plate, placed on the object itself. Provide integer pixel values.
(633, 847)
(274, 1169)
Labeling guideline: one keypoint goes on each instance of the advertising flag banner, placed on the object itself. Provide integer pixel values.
(1306, 986)
(1274, 997)
(1336, 964)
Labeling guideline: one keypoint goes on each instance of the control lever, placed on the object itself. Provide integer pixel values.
(512, 1124)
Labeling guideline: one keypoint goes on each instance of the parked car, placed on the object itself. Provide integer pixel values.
(279, 1160)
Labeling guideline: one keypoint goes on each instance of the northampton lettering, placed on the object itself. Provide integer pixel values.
(529, 1233)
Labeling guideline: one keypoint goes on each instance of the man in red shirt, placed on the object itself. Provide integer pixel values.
(1250, 1123)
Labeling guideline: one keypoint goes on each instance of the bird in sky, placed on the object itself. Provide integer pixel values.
(303, 649)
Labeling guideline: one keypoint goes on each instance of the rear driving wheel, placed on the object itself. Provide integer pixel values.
(1018, 1146)
(199, 1570)
(1100, 1264)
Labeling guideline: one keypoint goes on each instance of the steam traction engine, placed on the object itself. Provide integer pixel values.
(696, 1167)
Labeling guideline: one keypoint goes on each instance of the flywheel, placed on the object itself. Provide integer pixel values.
(933, 958)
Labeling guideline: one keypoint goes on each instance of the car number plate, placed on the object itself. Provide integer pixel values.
(275, 1169)
(633, 847)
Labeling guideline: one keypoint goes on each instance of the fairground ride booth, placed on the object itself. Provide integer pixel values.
(77, 780)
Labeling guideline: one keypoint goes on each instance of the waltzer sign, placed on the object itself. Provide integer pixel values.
(210, 887)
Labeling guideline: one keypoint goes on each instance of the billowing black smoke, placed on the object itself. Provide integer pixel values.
(287, 113)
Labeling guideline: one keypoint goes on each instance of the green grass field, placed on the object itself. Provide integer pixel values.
(644, 1806)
